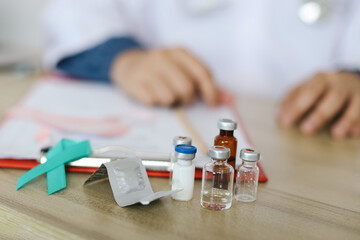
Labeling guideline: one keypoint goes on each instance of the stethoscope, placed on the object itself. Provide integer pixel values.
(313, 11)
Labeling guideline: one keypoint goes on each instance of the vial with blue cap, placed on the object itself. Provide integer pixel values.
(184, 172)
(176, 141)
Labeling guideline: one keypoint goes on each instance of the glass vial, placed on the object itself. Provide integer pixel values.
(217, 180)
(247, 176)
(176, 141)
(226, 138)
(184, 172)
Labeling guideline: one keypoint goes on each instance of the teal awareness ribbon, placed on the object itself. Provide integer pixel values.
(64, 152)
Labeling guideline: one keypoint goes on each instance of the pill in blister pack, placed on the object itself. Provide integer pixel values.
(128, 177)
(129, 181)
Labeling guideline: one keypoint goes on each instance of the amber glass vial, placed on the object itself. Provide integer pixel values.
(226, 138)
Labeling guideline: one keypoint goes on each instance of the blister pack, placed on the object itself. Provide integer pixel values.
(129, 182)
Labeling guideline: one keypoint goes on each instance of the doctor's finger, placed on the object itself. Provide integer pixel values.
(325, 110)
(349, 119)
(304, 100)
(285, 104)
(355, 131)
(141, 92)
(178, 81)
(199, 74)
(160, 90)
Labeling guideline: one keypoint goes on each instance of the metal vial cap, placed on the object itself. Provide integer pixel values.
(181, 140)
(227, 124)
(249, 154)
(219, 152)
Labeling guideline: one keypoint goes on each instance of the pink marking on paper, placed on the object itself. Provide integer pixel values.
(105, 127)
(43, 135)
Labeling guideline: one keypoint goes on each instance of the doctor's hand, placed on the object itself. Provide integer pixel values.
(163, 77)
(322, 99)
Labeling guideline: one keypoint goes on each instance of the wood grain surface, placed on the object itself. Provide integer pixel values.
(313, 192)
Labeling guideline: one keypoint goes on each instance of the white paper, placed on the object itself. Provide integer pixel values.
(60, 105)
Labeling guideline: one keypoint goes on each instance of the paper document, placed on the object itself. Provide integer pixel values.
(56, 108)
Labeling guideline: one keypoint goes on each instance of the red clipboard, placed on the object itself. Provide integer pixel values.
(30, 163)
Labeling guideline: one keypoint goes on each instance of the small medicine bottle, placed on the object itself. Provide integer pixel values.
(217, 180)
(176, 141)
(226, 138)
(184, 172)
(247, 176)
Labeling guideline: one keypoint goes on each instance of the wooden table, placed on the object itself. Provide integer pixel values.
(313, 192)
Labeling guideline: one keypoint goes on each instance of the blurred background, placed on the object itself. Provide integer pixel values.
(21, 37)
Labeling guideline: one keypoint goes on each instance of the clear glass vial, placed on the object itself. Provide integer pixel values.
(217, 180)
(184, 172)
(176, 141)
(247, 176)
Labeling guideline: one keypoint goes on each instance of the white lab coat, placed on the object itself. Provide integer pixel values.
(255, 47)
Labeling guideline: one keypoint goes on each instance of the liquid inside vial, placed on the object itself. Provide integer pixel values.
(217, 189)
